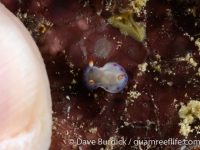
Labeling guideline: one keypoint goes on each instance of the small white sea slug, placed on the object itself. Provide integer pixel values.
(111, 77)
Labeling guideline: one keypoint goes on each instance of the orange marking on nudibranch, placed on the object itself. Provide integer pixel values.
(91, 82)
(91, 62)
(121, 76)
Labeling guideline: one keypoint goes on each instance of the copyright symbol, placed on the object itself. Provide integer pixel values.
(71, 141)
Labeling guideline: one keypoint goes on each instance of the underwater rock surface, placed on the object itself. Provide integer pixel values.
(163, 69)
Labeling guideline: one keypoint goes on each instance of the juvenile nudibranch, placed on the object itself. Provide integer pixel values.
(111, 77)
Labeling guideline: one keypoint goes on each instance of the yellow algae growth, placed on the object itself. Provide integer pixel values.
(138, 5)
(127, 26)
(197, 43)
(188, 114)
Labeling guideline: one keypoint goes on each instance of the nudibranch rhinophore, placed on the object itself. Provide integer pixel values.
(111, 77)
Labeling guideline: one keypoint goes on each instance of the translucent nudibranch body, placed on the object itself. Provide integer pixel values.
(111, 77)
